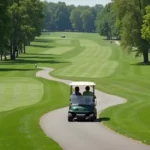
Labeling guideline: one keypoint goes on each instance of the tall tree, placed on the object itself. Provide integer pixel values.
(106, 22)
(146, 25)
(130, 13)
(76, 19)
(62, 17)
(4, 28)
(88, 21)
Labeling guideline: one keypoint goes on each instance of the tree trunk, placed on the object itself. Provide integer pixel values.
(145, 56)
(21, 51)
(14, 51)
(1, 53)
(5, 57)
(17, 54)
(24, 48)
(1, 57)
(11, 51)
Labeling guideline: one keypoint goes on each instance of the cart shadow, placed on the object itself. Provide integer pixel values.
(97, 120)
(102, 119)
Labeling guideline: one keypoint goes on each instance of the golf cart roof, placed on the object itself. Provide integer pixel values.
(83, 83)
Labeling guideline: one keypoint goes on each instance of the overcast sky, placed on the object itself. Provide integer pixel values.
(82, 2)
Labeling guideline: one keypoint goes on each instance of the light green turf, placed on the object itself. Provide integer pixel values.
(86, 64)
(64, 42)
(127, 79)
(18, 92)
(57, 50)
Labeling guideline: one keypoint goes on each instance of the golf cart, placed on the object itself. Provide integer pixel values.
(82, 107)
(63, 36)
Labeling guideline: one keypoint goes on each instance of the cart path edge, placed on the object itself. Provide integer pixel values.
(85, 135)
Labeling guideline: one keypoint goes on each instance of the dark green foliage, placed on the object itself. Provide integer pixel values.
(62, 17)
(123, 19)
(106, 22)
(130, 14)
(20, 22)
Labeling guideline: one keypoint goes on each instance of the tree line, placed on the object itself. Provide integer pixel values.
(62, 17)
(20, 22)
(125, 20)
(129, 21)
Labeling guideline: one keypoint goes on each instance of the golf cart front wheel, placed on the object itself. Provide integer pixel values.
(92, 117)
(70, 117)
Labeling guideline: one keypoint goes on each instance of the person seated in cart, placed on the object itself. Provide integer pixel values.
(77, 91)
(87, 92)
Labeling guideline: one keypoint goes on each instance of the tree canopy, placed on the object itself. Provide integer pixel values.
(20, 22)
(127, 20)
(62, 17)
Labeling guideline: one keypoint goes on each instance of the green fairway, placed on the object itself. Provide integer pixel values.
(17, 92)
(86, 64)
(117, 73)
(20, 129)
(79, 56)
(57, 50)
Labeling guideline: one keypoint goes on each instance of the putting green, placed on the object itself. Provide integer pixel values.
(18, 92)
(93, 62)
(58, 50)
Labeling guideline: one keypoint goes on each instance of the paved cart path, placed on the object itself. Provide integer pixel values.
(85, 135)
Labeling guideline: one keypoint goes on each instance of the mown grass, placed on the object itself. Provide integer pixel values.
(20, 128)
(18, 92)
(130, 80)
(25, 98)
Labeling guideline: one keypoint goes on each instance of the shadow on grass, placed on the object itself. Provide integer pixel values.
(141, 64)
(102, 119)
(111, 39)
(15, 69)
(29, 61)
(42, 46)
(44, 40)
(35, 57)
(41, 54)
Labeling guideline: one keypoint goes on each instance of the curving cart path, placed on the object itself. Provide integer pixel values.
(85, 135)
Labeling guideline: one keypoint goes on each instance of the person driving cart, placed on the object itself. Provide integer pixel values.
(77, 91)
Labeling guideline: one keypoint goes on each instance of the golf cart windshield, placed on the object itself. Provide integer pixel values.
(81, 100)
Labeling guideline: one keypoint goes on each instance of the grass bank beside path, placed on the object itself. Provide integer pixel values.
(115, 72)
(25, 98)
(79, 56)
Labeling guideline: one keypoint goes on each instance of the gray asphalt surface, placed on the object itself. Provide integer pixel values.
(85, 135)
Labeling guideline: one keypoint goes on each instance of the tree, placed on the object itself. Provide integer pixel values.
(88, 21)
(146, 25)
(4, 28)
(130, 13)
(62, 17)
(106, 22)
(76, 19)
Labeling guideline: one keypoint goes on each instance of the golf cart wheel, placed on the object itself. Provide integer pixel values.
(70, 117)
(92, 117)
(95, 117)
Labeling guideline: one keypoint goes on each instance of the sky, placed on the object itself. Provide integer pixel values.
(81, 2)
